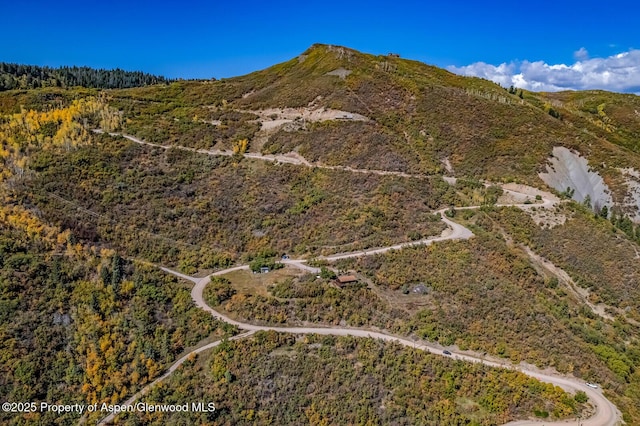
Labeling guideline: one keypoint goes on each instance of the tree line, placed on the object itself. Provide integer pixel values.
(17, 76)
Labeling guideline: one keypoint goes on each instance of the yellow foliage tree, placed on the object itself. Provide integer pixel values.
(240, 146)
(57, 127)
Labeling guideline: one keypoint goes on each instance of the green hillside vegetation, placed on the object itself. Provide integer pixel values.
(184, 124)
(15, 101)
(487, 297)
(596, 254)
(420, 115)
(99, 326)
(280, 379)
(206, 212)
(602, 259)
(306, 299)
(339, 143)
(613, 116)
(482, 295)
(79, 325)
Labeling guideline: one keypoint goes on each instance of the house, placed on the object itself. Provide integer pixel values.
(264, 269)
(343, 280)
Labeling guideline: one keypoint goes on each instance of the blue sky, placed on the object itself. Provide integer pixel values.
(202, 39)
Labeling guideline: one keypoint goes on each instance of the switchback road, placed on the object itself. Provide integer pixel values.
(606, 414)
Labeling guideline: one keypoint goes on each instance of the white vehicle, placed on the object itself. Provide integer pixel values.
(592, 385)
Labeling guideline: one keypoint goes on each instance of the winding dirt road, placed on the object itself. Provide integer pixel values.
(606, 414)
(289, 158)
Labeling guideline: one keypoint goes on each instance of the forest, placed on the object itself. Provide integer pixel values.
(17, 76)
(81, 324)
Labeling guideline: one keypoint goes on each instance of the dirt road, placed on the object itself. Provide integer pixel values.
(289, 158)
(606, 414)
(108, 419)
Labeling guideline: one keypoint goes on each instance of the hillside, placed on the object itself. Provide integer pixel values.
(81, 325)
(332, 152)
(397, 115)
(271, 374)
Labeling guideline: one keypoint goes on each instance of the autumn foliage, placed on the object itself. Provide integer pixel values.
(64, 127)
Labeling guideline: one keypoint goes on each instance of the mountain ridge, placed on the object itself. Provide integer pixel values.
(427, 116)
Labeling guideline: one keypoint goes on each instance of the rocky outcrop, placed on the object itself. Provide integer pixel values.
(568, 171)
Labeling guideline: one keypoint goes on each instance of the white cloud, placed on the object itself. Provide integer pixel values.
(581, 54)
(618, 73)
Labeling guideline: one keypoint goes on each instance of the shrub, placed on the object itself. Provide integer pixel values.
(218, 290)
(581, 397)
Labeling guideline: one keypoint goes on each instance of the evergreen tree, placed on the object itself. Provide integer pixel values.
(15, 76)
(105, 275)
(604, 212)
(116, 271)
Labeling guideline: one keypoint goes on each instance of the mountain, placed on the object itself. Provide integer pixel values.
(492, 222)
(419, 118)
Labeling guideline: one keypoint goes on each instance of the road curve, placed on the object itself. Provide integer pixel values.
(454, 231)
(606, 413)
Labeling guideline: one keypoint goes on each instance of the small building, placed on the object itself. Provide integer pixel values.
(264, 269)
(343, 280)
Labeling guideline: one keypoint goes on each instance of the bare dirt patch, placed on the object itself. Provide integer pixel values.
(544, 214)
(447, 165)
(308, 114)
(290, 119)
(340, 72)
(529, 191)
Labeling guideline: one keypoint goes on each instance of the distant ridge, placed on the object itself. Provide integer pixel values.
(17, 76)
